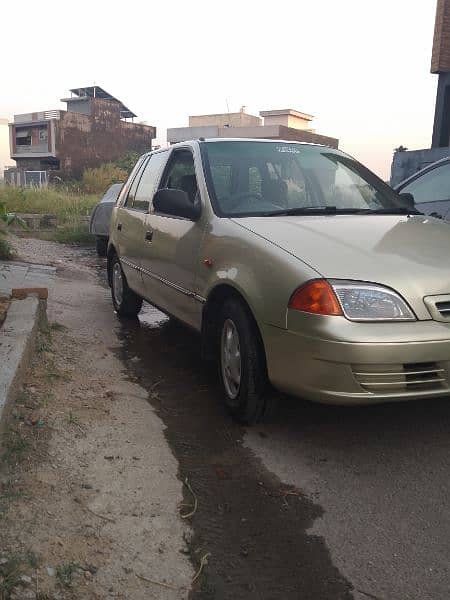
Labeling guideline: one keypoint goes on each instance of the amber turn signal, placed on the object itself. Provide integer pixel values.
(317, 297)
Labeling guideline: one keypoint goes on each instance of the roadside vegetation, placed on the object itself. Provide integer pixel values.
(6, 219)
(71, 202)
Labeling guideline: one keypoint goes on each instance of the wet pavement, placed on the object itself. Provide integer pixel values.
(317, 503)
(253, 526)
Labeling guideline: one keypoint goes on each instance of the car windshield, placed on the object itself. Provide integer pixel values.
(251, 178)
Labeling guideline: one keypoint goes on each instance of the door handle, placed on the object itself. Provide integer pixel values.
(148, 235)
(119, 227)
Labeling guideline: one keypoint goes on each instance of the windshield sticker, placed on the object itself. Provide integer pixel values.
(290, 149)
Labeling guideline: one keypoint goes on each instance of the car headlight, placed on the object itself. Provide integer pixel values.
(356, 300)
(370, 302)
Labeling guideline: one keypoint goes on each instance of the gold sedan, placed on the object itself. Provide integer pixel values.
(299, 267)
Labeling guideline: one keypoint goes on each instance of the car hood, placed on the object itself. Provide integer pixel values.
(409, 254)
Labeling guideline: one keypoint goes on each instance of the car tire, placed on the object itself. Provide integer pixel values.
(242, 365)
(101, 245)
(125, 301)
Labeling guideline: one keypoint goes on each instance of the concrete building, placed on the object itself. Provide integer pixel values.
(407, 163)
(286, 124)
(239, 119)
(4, 145)
(96, 128)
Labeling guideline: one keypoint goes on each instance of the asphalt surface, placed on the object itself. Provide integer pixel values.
(318, 502)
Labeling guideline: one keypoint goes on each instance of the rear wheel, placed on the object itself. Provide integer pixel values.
(101, 245)
(126, 302)
(242, 363)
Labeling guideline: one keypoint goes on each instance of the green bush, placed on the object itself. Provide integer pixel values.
(99, 179)
(6, 250)
(127, 161)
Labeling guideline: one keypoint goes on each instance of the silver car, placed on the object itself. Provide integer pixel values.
(101, 217)
(299, 267)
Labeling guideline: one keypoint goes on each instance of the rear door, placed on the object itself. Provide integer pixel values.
(130, 224)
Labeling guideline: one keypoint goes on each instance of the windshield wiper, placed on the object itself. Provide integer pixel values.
(394, 210)
(312, 210)
(333, 210)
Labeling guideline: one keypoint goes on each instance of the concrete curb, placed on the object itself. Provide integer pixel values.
(17, 341)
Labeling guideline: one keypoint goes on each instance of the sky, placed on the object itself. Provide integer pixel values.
(362, 68)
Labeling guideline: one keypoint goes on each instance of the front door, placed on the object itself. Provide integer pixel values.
(170, 259)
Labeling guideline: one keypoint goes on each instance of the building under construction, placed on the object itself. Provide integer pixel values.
(96, 128)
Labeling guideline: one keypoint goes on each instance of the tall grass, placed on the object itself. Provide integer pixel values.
(69, 205)
(62, 202)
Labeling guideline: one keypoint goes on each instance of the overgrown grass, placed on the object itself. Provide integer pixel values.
(76, 233)
(6, 250)
(69, 206)
(9, 576)
(62, 202)
(65, 573)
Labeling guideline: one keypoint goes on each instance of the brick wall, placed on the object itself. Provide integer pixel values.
(440, 59)
(90, 140)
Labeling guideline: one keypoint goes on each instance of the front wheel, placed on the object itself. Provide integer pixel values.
(126, 302)
(242, 363)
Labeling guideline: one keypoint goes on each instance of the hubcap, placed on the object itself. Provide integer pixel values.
(117, 283)
(231, 358)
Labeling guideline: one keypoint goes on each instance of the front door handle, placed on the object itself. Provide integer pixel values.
(148, 235)
(119, 227)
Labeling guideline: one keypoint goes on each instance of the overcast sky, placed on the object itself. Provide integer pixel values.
(361, 67)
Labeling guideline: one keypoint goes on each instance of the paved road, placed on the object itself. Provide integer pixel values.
(373, 520)
(318, 503)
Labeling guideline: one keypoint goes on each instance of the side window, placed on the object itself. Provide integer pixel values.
(143, 187)
(433, 186)
(180, 174)
(132, 191)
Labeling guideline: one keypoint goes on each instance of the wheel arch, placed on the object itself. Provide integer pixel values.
(217, 296)
(109, 256)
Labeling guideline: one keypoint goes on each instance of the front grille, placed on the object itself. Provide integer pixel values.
(410, 377)
(444, 309)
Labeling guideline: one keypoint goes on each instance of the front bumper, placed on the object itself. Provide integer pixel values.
(334, 361)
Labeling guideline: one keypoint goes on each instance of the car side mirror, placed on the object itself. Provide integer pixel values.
(407, 200)
(176, 203)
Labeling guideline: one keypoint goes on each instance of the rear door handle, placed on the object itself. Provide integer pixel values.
(148, 235)
(119, 227)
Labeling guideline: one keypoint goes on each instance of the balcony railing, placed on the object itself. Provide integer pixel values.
(44, 115)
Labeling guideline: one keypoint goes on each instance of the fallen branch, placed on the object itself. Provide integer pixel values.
(194, 510)
(86, 508)
(203, 562)
(98, 515)
(161, 583)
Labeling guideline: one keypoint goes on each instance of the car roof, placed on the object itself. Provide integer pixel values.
(421, 172)
(238, 139)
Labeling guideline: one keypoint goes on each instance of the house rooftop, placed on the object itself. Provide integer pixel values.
(286, 111)
(96, 91)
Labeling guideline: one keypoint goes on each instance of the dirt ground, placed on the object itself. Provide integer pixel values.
(89, 494)
(122, 476)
